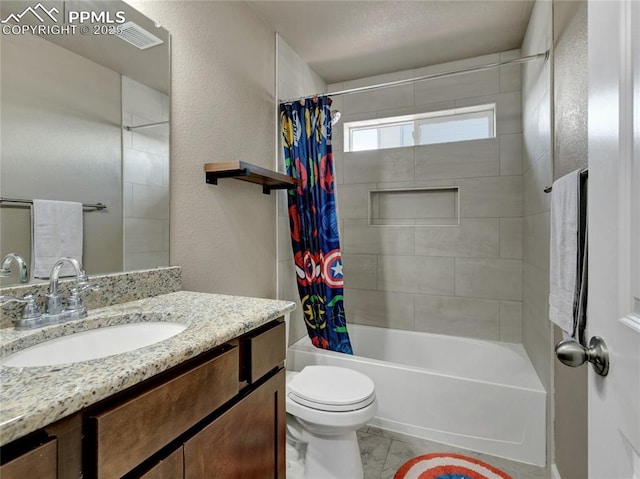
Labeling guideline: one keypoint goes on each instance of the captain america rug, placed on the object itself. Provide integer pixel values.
(448, 466)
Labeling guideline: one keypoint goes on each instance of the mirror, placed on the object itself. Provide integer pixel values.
(77, 101)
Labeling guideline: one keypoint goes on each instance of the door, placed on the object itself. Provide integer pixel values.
(614, 236)
(246, 442)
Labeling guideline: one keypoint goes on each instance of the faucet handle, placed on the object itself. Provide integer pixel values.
(30, 311)
(74, 302)
(10, 299)
(84, 288)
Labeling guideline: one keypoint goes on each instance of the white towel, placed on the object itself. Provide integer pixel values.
(564, 251)
(56, 232)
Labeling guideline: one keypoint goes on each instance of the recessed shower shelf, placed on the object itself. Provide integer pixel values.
(241, 170)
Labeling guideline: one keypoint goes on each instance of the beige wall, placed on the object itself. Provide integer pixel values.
(222, 109)
(570, 92)
(61, 140)
(570, 152)
(537, 164)
(428, 277)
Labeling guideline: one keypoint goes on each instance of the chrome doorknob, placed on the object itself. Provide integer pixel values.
(574, 354)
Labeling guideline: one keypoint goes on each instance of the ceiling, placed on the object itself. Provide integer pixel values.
(345, 40)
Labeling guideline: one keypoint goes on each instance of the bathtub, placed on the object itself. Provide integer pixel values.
(479, 395)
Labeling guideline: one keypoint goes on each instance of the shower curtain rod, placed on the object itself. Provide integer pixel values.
(489, 66)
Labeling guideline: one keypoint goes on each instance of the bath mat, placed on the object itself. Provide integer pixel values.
(448, 466)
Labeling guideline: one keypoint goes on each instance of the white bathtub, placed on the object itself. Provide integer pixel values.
(479, 395)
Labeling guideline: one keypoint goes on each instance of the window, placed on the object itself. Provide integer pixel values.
(459, 124)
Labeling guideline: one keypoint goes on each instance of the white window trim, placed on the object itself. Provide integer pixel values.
(475, 111)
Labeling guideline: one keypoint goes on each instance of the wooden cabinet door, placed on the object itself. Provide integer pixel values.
(246, 442)
(134, 430)
(170, 467)
(40, 463)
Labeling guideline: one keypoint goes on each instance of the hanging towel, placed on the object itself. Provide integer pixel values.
(564, 251)
(56, 232)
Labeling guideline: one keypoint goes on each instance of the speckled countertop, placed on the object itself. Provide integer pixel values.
(34, 397)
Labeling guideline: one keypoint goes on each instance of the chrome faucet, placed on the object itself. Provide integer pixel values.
(5, 269)
(55, 310)
(53, 305)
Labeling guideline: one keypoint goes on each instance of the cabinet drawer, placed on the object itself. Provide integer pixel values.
(129, 433)
(266, 350)
(40, 463)
(170, 467)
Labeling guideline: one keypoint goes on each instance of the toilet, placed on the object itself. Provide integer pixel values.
(325, 406)
(328, 405)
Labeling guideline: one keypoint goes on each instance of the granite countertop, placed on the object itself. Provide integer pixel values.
(34, 397)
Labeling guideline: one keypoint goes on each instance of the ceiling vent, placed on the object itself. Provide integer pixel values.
(138, 36)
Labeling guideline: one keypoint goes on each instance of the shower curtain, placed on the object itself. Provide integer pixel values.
(306, 133)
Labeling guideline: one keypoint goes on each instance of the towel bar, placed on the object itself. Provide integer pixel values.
(583, 173)
(97, 206)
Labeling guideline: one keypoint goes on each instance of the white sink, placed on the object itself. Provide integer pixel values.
(93, 344)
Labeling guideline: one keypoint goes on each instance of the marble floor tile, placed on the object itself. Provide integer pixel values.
(373, 450)
(399, 453)
(383, 452)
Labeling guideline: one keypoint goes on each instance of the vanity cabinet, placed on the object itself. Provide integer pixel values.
(40, 462)
(247, 441)
(219, 415)
(171, 467)
(137, 427)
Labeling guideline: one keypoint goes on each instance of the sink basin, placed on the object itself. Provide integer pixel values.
(93, 344)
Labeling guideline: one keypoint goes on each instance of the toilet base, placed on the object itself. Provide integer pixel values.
(333, 457)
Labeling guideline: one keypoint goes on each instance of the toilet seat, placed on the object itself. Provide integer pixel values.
(331, 389)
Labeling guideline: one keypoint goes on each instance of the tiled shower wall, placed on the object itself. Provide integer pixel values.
(465, 279)
(145, 175)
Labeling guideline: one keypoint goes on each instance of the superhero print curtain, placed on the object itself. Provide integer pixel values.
(306, 133)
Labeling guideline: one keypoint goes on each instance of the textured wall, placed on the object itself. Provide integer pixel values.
(570, 152)
(570, 86)
(463, 279)
(222, 109)
(537, 165)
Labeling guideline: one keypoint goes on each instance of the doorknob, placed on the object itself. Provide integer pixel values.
(574, 354)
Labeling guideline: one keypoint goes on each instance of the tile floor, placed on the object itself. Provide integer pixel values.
(383, 452)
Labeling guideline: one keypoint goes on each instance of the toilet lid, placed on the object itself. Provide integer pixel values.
(331, 388)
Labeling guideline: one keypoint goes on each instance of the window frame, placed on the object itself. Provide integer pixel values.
(476, 111)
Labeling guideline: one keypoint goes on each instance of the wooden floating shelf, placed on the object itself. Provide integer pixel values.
(241, 170)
